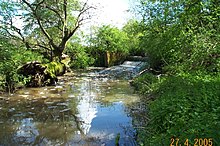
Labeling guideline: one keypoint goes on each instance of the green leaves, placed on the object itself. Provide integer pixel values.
(82, 60)
(181, 35)
(12, 56)
(110, 39)
(43, 24)
(181, 39)
(184, 107)
(134, 31)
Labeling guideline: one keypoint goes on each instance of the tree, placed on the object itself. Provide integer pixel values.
(181, 35)
(182, 40)
(110, 39)
(11, 58)
(109, 45)
(133, 29)
(46, 24)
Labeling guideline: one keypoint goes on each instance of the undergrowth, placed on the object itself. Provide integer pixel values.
(185, 107)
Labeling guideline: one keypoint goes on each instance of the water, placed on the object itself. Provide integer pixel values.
(80, 110)
(127, 70)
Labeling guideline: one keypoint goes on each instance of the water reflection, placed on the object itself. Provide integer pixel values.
(80, 110)
(37, 122)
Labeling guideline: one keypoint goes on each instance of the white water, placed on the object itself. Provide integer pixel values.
(127, 70)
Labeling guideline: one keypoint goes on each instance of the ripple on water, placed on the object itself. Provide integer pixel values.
(78, 111)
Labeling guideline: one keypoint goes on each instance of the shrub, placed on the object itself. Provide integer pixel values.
(145, 83)
(186, 107)
(82, 60)
(12, 56)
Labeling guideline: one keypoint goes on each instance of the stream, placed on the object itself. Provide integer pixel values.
(82, 109)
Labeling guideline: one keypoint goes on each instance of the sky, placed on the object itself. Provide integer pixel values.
(114, 12)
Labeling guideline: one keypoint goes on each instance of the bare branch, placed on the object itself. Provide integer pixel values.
(72, 32)
(12, 35)
(65, 9)
(61, 24)
(38, 18)
(42, 46)
(56, 12)
(38, 4)
(14, 29)
(79, 19)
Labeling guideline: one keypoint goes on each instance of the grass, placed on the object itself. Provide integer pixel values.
(184, 107)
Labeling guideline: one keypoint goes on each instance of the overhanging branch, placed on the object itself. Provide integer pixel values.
(34, 11)
(79, 19)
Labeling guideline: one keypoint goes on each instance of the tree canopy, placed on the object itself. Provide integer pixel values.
(181, 34)
(181, 39)
(107, 38)
(44, 24)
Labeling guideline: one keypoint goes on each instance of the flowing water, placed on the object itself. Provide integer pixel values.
(80, 110)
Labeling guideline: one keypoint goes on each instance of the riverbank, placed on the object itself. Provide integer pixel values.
(181, 109)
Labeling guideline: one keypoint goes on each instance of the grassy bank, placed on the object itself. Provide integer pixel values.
(181, 107)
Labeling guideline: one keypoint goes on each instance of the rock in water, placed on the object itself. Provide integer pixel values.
(38, 75)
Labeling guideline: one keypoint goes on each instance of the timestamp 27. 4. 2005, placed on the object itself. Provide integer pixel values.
(197, 142)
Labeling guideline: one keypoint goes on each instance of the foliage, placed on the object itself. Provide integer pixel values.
(82, 60)
(186, 107)
(11, 59)
(133, 29)
(45, 25)
(146, 83)
(181, 39)
(110, 39)
(7, 67)
(79, 54)
(117, 139)
(108, 44)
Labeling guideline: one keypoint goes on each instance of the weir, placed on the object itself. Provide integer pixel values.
(127, 70)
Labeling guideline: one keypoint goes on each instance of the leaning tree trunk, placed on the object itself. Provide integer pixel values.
(57, 55)
(58, 49)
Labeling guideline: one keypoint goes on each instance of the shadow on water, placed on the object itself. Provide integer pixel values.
(80, 110)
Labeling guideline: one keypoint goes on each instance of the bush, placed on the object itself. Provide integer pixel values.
(146, 83)
(12, 56)
(79, 56)
(186, 107)
(109, 45)
(82, 60)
